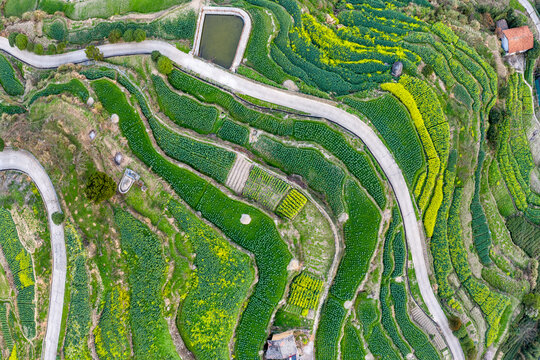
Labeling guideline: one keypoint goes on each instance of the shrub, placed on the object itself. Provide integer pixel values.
(74, 86)
(128, 36)
(8, 79)
(455, 323)
(2, 144)
(164, 65)
(155, 55)
(30, 47)
(11, 38)
(139, 35)
(93, 53)
(57, 30)
(100, 187)
(38, 49)
(58, 217)
(427, 70)
(21, 41)
(115, 36)
(51, 49)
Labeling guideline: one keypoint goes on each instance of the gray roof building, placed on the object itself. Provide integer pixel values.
(282, 347)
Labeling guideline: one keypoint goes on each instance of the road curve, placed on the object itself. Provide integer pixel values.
(532, 13)
(312, 106)
(25, 162)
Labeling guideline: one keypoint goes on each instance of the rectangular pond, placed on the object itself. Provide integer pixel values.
(220, 37)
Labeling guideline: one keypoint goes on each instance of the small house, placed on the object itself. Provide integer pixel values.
(500, 25)
(282, 347)
(517, 40)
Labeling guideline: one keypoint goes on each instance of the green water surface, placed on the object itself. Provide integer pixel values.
(220, 37)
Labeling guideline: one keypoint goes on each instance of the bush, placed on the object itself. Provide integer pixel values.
(38, 49)
(164, 65)
(11, 39)
(139, 35)
(51, 49)
(427, 70)
(455, 323)
(57, 30)
(128, 35)
(155, 55)
(115, 35)
(100, 187)
(8, 79)
(21, 41)
(58, 218)
(93, 53)
(2, 144)
(30, 47)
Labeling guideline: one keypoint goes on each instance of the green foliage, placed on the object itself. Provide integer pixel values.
(58, 217)
(291, 205)
(79, 314)
(128, 36)
(18, 7)
(2, 144)
(183, 110)
(233, 132)
(57, 30)
(352, 347)
(388, 322)
(207, 158)
(327, 179)
(357, 162)
(164, 65)
(361, 233)
(11, 38)
(93, 53)
(111, 334)
(140, 35)
(146, 272)
(154, 55)
(99, 187)
(260, 237)
(208, 315)
(74, 87)
(20, 265)
(305, 290)
(264, 188)
(332, 316)
(239, 112)
(38, 49)
(115, 35)
(8, 79)
(396, 128)
(525, 235)
(97, 73)
(21, 41)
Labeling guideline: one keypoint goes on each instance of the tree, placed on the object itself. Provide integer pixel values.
(532, 305)
(21, 41)
(164, 65)
(58, 30)
(11, 39)
(51, 49)
(115, 35)
(495, 115)
(30, 47)
(58, 217)
(534, 52)
(100, 187)
(139, 35)
(492, 135)
(128, 35)
(38, 49)
(455, 323)
(61, 47)
(155, 55)
(2, 144)
(94, 53)
(427, 70)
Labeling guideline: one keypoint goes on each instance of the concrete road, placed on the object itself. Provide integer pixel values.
(310, 105)
(532, 13)
(25, 162)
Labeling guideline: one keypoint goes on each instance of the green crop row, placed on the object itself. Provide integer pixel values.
(423, 349)
(260, 237)
(388, 320)
(360, 233)
(388, 258)
(20, 265)
(8, 79)
(79, 315)
(352, 347)
(6, 332)
(393, 122)
(239, 112)
(356, 162)
(442, 263)
(305, 292)
(233, 132)
(480, 229)
(207, 158)
(318, 172)
(264, 188)
(332, 317)
(291, 205)
(184, 111)
(75, 87)
(146, 273)
(209, 313)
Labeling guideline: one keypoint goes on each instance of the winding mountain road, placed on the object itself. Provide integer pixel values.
(312, 106)
(25, 162)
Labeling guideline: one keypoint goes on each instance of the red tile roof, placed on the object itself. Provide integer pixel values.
(519, 39)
